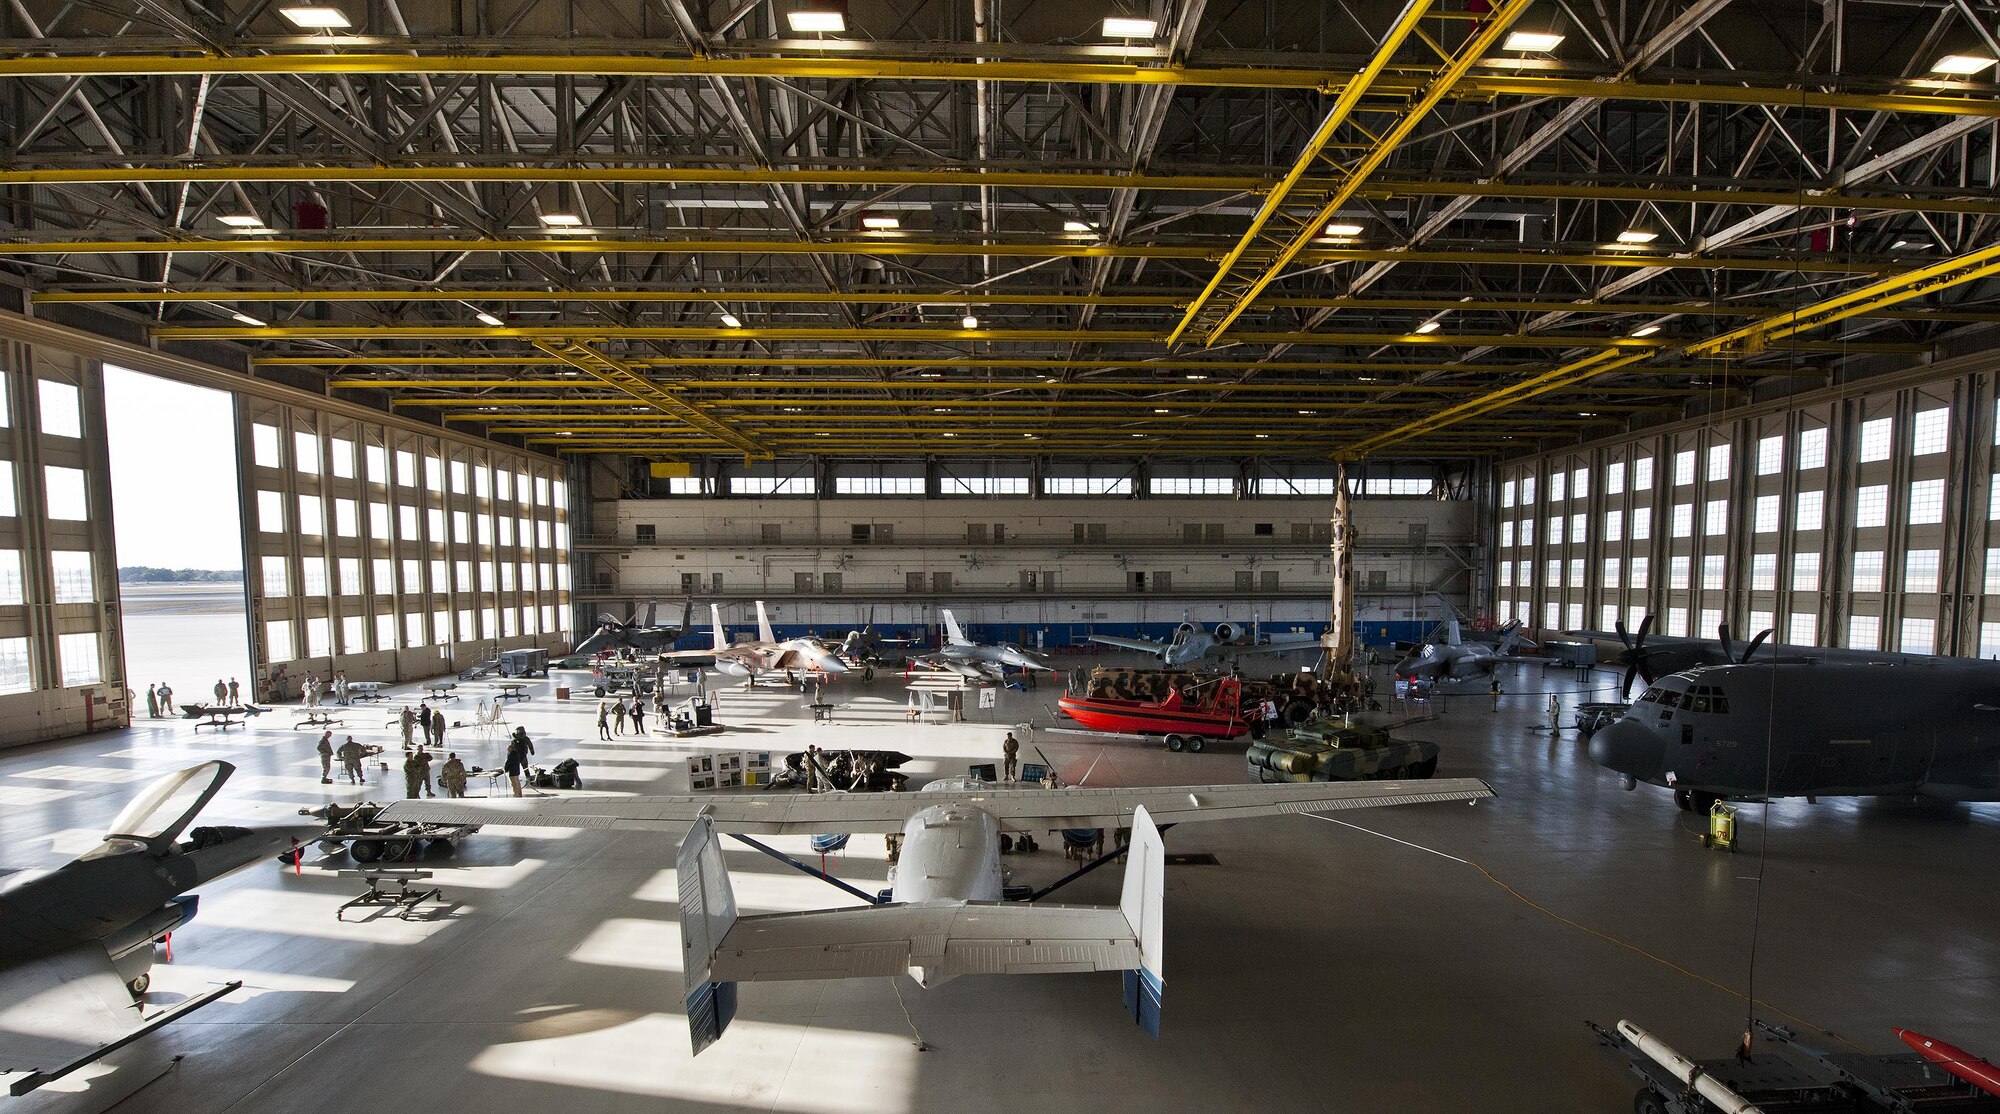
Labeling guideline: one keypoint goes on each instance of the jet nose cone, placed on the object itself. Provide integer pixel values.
(834, 665)
(1628, 747)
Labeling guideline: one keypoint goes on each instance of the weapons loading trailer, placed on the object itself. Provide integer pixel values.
(367, 839)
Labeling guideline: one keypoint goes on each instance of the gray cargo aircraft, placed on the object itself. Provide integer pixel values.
(76, 944)
(1193, 642)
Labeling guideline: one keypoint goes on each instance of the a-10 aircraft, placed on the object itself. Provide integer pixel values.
(1805, 721)
(766, 655)
(76, 944)
(1193, 642)
(613, 633)
(945, 913)
(976, 660)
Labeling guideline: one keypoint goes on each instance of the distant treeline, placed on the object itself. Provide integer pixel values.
(146, 574)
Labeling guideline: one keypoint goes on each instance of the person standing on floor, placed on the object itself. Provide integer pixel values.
(167, 698)
(452, 776)
(152, 702)
(351, 754)
(412, 774)
(424, 770)
(221, 693)
(326, 759)
(424, 721)
(638, 716)
(618, 716)
(1010, 750)
(518, 750)
(235, 692)
(603, 720)
(437, 726)
(409, 722)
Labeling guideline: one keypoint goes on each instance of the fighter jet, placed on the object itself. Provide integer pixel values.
(1796, 727)
(1457, 660)
(614, 633)
(978, 661)
(1193, 642)
(76, 944)
(752, 660)
(944, 914)
(865, 646)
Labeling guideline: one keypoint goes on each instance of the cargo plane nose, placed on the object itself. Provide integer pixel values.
(1627, 746)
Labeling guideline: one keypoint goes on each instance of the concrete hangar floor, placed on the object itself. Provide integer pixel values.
(1437, 957)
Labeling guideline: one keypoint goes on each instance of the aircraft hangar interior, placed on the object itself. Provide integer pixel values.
(779, 555)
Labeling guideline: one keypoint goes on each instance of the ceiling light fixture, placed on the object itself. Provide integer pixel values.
(818, 20)
(1960, 65)
(1077, 226)
(730, 320)
(316, 17)
(1645, 330)
(1910, 245)
(1637, 236)
(1157, 410)
(241, 220)
(1262, 436)
(1428, 327)
(1128, 27)
(246, 319)
(1196, 375)
(1532, 42)
(562, 220)
(489, 319)
(881, 224)
(968, 322)
(1343, 228)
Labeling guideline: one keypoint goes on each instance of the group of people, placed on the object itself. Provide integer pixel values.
(417, 774)
(228, 695)
(310, 690)
(159, 698)
(430, 720)
(611, 716)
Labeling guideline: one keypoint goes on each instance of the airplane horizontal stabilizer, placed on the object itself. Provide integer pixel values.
(1141, 644)
(942, 940)
(708, 913)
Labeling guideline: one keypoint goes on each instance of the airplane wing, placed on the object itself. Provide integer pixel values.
(1129, 643)
(1015, 809)
(1272, 648)
(976, 938)
(65, 1011)
(968, 669)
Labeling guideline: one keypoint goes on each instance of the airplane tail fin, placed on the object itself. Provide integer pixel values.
(1451, 627)
(687, 615)
(1143, 904)
(715, 617)
(652, 613)
(708, 911)
(952, 635)
(764, 624)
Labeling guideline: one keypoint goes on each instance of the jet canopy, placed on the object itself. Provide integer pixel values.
(157, 816)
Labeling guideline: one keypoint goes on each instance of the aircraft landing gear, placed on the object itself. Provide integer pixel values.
(1681, 800)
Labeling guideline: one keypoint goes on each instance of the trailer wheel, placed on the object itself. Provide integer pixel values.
(1176, 744)
(1195, 743)
(365, 850)
(1681, 800)
(398, 850)
(1648, 1101)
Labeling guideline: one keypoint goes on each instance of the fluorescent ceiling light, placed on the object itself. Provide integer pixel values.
(951, 435)
(489, 319)
(316, 17)
(730, 320)
(820, 21)
(1125, 27)
(1532, 42)
(1196, 375)
(1341, 228)
(1645, 330)
(1157, 410)
(562, 220)
(1262, 436)
(1428, 327)
(241, 220)
(968, 322)
(1960, 65)
(881, 222)
(1910, 245)
(246, 319)
(1077, 226)
(1637, 236)
(1308, 411)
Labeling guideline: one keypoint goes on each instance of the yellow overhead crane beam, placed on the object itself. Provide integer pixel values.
(941, 369)
(1748, 340)
(1276, 237)
(1924, 96)
(1007, 386)
(895, 244)
(614, 373)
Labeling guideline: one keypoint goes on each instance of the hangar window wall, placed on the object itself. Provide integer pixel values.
(463, 548)
(1847, 518)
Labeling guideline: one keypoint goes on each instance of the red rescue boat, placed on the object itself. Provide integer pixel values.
(1216, 713)
(1974, 1070)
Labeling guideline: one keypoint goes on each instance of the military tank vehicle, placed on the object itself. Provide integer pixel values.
(1326, 750)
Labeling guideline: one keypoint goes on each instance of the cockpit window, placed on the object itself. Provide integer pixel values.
(169, 804)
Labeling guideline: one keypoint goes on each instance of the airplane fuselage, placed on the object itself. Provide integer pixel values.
(1822, 729)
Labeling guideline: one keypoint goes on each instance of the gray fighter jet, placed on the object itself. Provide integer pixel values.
(76, 944)
(1455, 659)
(648, 637)
(975, 660)
(1802, 727)
(1193, 642)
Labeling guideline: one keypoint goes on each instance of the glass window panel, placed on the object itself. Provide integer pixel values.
(378, 467)
(309, 516)
(10, 577)
(1811, 513)
(1716, 519)
(1640, 569)
(1614, 526)
(8, 508)
(1767, 514)
(343, 457)
(1718, 462)
(276, 581)
(1684, 468)
(1763, 572)
(15, 675)
(1867, 571)
(1928, 431)
(1876, 437)
(1770, 455)
(1804, 630)
(1805, 572)
(1558, 485)
(305, 451)
(62, 409)
(1812, 449)
(1920, 570)
(1711, 572)
(81, 663)
(1642, 473)
(1919, 636)
(1614, 478)
(1642, 524)
(1926, 502)
(72, 570)
(66, 494)
(1683, 520)
(1871, 506)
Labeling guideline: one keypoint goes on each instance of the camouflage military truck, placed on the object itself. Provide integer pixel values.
(1324, 750)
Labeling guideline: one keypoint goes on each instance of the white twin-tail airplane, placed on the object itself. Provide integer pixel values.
(945, 914)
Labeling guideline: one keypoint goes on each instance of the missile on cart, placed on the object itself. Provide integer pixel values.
(1974, 1070)
(1687, 1071)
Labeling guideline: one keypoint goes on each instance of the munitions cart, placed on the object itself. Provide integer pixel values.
(358, 830)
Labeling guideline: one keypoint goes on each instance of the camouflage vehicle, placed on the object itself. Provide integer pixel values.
(1327, 751)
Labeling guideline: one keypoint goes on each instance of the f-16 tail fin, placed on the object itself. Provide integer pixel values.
(1143, 904)
(708, 912)
(764, 624)
(952, 635)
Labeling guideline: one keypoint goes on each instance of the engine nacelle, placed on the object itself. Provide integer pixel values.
(1227, 632)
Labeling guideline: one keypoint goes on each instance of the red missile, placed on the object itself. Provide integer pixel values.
(1974, 1070)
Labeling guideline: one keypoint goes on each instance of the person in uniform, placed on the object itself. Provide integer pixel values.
(518, 750)
(152, 701)
(326, 759)
(424, 770)
(408, 719)
(603, 720)
(412, 775)
(424, 721)
(452, 776)
(166, 698)
(1010, 749)
(351, 754)
(618, 716)
(235, 692)
(437, 727)
(221, 693)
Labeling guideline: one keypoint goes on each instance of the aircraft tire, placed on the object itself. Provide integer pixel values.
(366, 850)
(1648, 1101)
(1195, 744)
(1681, 800)
(1176, 744)
(139, 984)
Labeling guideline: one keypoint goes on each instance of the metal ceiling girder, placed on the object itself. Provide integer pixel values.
(1568, 375)
(616, 373)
